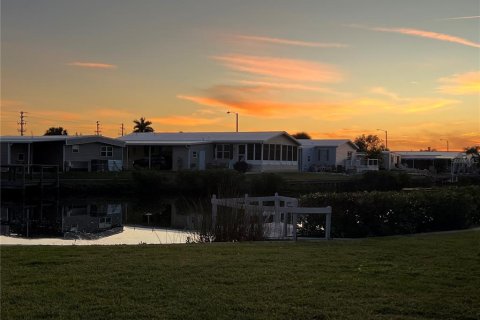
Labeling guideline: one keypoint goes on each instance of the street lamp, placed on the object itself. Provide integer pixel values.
(386, 137)
(236, 118)
(446, 141)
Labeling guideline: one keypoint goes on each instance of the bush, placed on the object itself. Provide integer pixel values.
(241, 166)
(384, 181)
(266, 184)
(223, 183)
(361, 214)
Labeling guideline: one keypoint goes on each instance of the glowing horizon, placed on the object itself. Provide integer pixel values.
(326, 72)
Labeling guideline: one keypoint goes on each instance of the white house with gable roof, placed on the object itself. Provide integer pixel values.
(263, 151)
(327, 155)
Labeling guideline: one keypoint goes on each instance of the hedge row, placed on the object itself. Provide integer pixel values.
(223, 183)
(361, 214)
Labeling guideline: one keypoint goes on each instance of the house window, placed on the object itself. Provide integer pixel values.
(258, 151)
(289, 153)
(250, 151)
(295, 153)
(309, 158)
(194, 154)
(106, 151)
(265, 151)
(75, 148)
(349, 155)
(271, 155)
(223, 151)
(21, 157)
(324, 155)
(277, 152)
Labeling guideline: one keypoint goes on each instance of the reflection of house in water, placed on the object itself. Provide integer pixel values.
(48, 219)
(172, 213)
(91, 218)
(30, 220)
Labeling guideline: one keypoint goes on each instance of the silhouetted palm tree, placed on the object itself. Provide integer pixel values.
(142, 125)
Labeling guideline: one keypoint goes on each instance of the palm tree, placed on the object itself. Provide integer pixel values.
(142, 125)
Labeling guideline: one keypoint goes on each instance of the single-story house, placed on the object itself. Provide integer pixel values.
(263, 151)
(390, 160)
(91, 153)
(327, 155)
(438, 161)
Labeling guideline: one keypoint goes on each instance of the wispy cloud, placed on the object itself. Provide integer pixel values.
(384, 92)
(92, 65)
(462, 18)
(298, 70)
(289, 42)
(291, 86)
(423, 34)
(186, 121)
(461, 84)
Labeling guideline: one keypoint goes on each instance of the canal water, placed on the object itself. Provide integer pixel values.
(102, 220)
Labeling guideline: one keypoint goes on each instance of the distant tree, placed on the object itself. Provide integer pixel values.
(56, 131)
(301, 135)
(473, 150)
(142, 125)
(372, 145)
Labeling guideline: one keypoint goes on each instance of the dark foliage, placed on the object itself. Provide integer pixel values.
(56, 131)
(241, 166)
(301, 135)
(142, 125)
(376, 213)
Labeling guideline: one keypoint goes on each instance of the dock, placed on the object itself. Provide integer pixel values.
(21, 177)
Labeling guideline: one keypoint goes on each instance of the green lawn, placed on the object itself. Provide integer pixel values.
(418, 277)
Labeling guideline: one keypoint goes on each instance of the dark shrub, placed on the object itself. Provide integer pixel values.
(223, 183)
(361, 214)
(266, 184)
(384, 181)
(241, 166)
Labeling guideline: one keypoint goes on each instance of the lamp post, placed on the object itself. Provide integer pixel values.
(236, 119)
(446, 141)
(386, 137)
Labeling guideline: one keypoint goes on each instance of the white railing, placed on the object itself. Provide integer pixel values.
(282, 205)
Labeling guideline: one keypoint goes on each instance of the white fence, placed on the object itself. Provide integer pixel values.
(280, 210)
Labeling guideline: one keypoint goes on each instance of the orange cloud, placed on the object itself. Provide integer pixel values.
(290, 42)
(92, 65)
(291, 86)
(188, 121)
(425, 34)
(461, 84)
(298, 70)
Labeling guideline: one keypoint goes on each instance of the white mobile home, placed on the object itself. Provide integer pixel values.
(327, 155)
(263, 151)
(90, 153)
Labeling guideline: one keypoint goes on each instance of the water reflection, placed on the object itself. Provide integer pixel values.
(93, 219)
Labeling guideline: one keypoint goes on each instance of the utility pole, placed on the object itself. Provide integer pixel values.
(445, 141)
(122, 128)
(97, 132)
(236, 119)
(22, 123)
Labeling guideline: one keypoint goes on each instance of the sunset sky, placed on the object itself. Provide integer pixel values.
(335, 69)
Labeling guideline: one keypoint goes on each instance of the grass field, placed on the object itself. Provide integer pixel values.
(418, 277)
